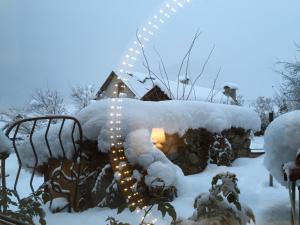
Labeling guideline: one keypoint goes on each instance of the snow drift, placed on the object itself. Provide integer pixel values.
(138, 118)
(282, 141)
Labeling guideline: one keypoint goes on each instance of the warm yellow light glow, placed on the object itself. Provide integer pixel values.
(158, 137)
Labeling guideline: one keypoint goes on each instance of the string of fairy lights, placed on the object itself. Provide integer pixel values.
(122, 170)
(148, 31)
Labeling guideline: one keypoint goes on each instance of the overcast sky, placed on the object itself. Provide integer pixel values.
(62, 43)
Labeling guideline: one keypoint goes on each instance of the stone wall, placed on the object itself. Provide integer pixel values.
(240, 141)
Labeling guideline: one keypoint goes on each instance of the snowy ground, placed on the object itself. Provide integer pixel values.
(270, 204)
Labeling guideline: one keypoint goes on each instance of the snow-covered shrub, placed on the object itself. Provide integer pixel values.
(220, 152)
(282, 141)
(221, 206)
(105, 191)
(27, 210)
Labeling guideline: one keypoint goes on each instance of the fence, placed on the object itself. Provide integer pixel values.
(30, 125)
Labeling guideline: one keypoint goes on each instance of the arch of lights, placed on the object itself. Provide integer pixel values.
(121, 168)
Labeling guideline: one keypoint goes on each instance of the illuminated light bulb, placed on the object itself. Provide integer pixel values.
(137, 52)
(125, 189)
(146, 39)
(127, 56)
(167, 15)
(161, 21)
(121, 70)
(115, 159)
(161, 11)
(131, 49)
(113, 151)
(155, 17)
(135, 42)
(179, 4)
(173, 10)
(149, 22)
(133, 204)
(168, 5)
(144, 29)
(122, 181)
(150, 32)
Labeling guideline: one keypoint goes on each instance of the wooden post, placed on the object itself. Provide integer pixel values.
(271, 118)
(270, 180)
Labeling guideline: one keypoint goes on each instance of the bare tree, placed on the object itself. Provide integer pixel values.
(82, 95)
(290, 88)
(48, 102)
(263, 106)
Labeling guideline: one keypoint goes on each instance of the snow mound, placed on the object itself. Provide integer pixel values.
(5, 144)
(282, 141)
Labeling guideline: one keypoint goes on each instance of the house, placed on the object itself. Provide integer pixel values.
(149, 88)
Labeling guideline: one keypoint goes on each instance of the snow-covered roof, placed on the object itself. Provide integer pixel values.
(140, 84)
(282, 142)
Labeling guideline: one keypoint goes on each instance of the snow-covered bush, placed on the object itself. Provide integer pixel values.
(282, 141)
(220, 152)
(221, 206)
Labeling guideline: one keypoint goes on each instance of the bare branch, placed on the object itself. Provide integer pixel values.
(185, 56)
(202, 71)
(144, 55)
(165, 71)
(212, 91)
